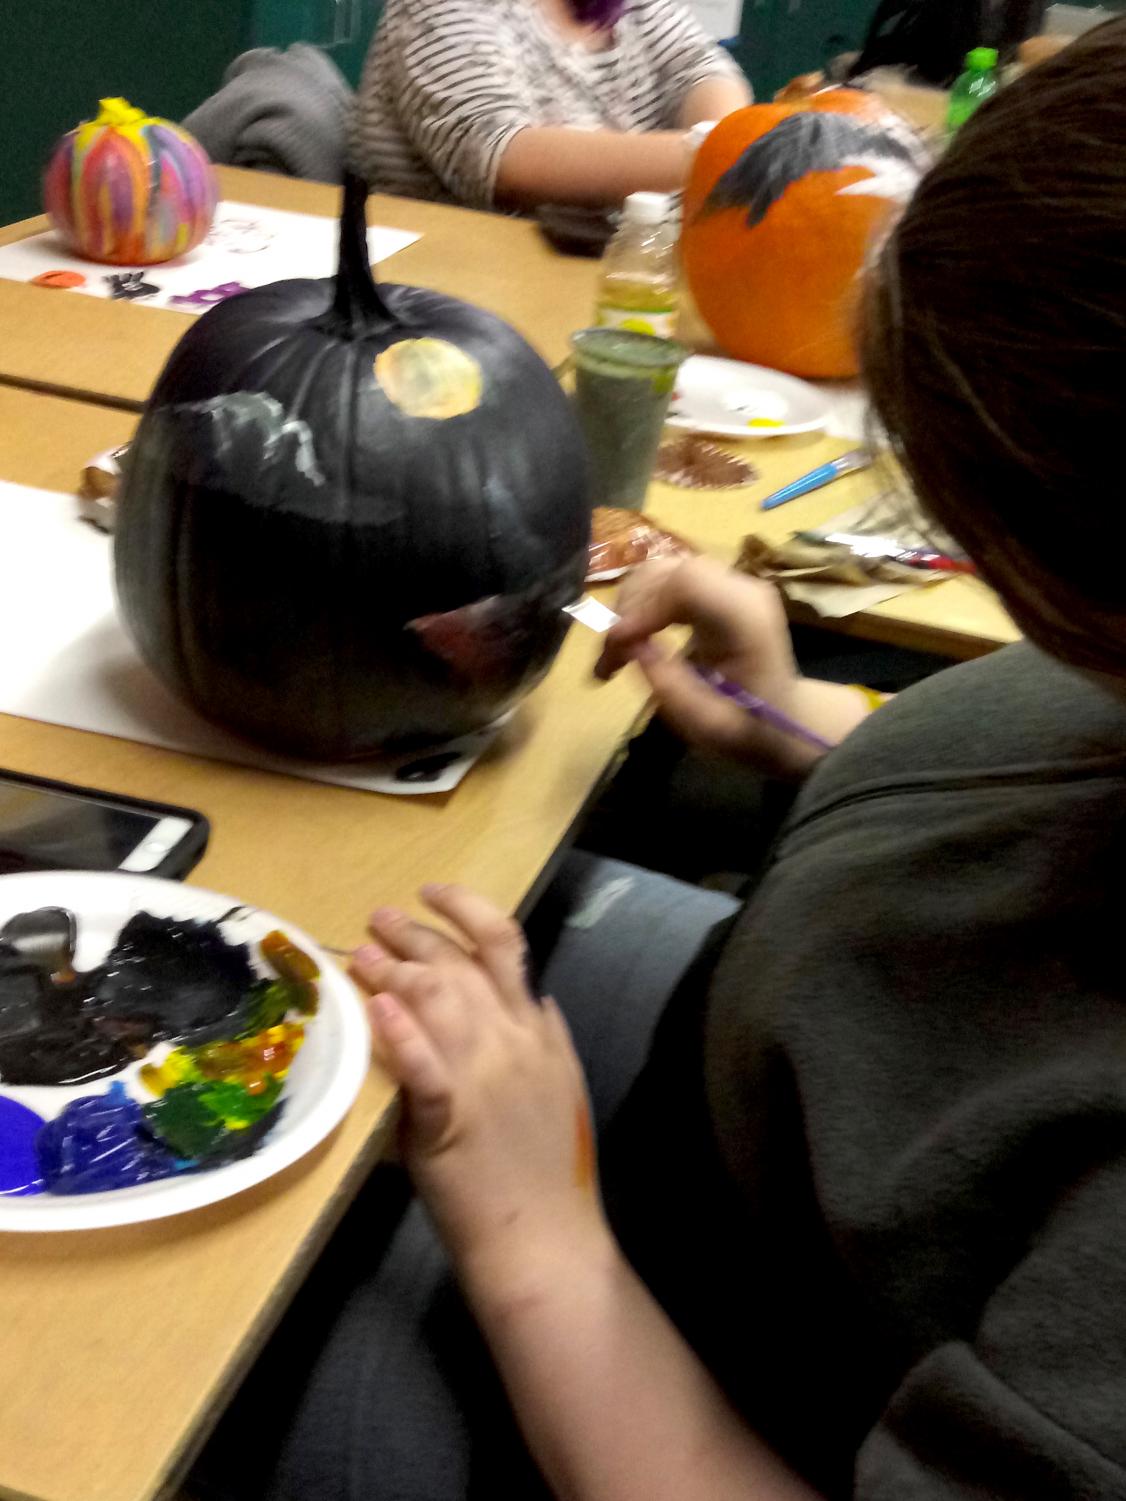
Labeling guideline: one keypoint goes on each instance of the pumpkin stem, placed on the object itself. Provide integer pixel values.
(357, 307)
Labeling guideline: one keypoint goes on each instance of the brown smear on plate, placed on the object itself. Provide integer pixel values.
(697, 464)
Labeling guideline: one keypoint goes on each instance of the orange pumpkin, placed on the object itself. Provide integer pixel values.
(782, 206)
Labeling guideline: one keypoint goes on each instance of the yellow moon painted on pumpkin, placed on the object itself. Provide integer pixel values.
(429, 378)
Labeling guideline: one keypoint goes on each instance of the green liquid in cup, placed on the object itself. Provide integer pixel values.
(623, 384)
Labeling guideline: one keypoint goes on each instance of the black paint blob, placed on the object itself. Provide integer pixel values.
(164, 980)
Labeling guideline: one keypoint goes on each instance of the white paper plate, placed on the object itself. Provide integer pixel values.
(319, 1089)
(733, 400)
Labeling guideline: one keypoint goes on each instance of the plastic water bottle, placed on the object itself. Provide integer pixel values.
(977, 84)
(640, 286)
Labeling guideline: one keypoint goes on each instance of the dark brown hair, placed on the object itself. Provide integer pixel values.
(994, 346)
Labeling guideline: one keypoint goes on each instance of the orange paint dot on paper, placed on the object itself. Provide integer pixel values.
(63, 280)
(585, 1158)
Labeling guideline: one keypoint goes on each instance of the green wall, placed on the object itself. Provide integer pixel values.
(342, 28)
(781, 38)
(163, 55)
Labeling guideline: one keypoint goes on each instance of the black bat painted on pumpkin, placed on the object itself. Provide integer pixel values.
(815, 142)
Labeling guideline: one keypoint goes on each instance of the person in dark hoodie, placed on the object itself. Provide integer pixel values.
(856, 1224)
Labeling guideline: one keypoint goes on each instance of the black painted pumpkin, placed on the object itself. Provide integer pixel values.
(351, 517)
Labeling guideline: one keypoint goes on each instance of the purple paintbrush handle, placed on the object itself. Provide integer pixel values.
(599, 617)
(760, 709)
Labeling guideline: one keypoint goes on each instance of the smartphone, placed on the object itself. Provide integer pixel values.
(56, 826)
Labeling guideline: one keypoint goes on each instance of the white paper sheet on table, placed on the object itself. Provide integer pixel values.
(247, 244)
(65, 659)
(837, 601)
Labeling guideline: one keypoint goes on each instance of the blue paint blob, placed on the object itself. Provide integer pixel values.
(101, 1142)
(19, 1165)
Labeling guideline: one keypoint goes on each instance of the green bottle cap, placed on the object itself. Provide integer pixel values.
(982, 59)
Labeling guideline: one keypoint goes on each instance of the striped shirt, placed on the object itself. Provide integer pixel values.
(448, 83)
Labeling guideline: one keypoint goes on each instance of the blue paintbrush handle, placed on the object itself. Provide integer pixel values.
(847, 463)
(824, 475)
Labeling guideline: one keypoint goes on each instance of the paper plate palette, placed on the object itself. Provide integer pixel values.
(322, 1080)
(729, 399)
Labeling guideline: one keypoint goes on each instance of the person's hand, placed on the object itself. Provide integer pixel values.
(496, 1128)
(739, 629)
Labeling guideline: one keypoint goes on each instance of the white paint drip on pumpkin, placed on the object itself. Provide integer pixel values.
(893, 178)
(890, 179)
(278, 436)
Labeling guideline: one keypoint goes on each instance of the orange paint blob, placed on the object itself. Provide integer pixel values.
(287, 960)
(62, 280)
(585, 1155)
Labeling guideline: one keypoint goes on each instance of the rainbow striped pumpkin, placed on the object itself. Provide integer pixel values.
(130, 189)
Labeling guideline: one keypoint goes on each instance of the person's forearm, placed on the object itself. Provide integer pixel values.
(832, 710)
(612, 1402)
(560, 164)
(714, 98)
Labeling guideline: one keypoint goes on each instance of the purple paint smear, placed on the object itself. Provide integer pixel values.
(599, 12)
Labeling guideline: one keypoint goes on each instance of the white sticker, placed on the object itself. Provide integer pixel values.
(635, 321)
(592, 613)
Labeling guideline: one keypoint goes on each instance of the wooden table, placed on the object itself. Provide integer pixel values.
(86, 1341)
(106, 351)
(960, 617)
(100, 1399)
(112, 353)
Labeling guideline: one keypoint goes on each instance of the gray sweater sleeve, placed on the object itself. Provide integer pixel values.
(917, 1079)
(278, 112)
(1031, 1402)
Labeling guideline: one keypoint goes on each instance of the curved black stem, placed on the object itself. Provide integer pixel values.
(357, 307)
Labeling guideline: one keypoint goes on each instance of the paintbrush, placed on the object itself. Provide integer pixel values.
(599, 618)
(824, 474)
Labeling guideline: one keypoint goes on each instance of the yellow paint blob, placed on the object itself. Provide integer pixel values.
(429, 378)
(637, 326)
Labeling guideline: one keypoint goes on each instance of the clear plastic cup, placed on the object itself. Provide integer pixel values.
(623, 384)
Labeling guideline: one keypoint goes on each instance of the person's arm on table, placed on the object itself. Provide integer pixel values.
(563, 164)
(469, 117)
(740, 629)
(713, 98)
(614, 1405)
(601, 167)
